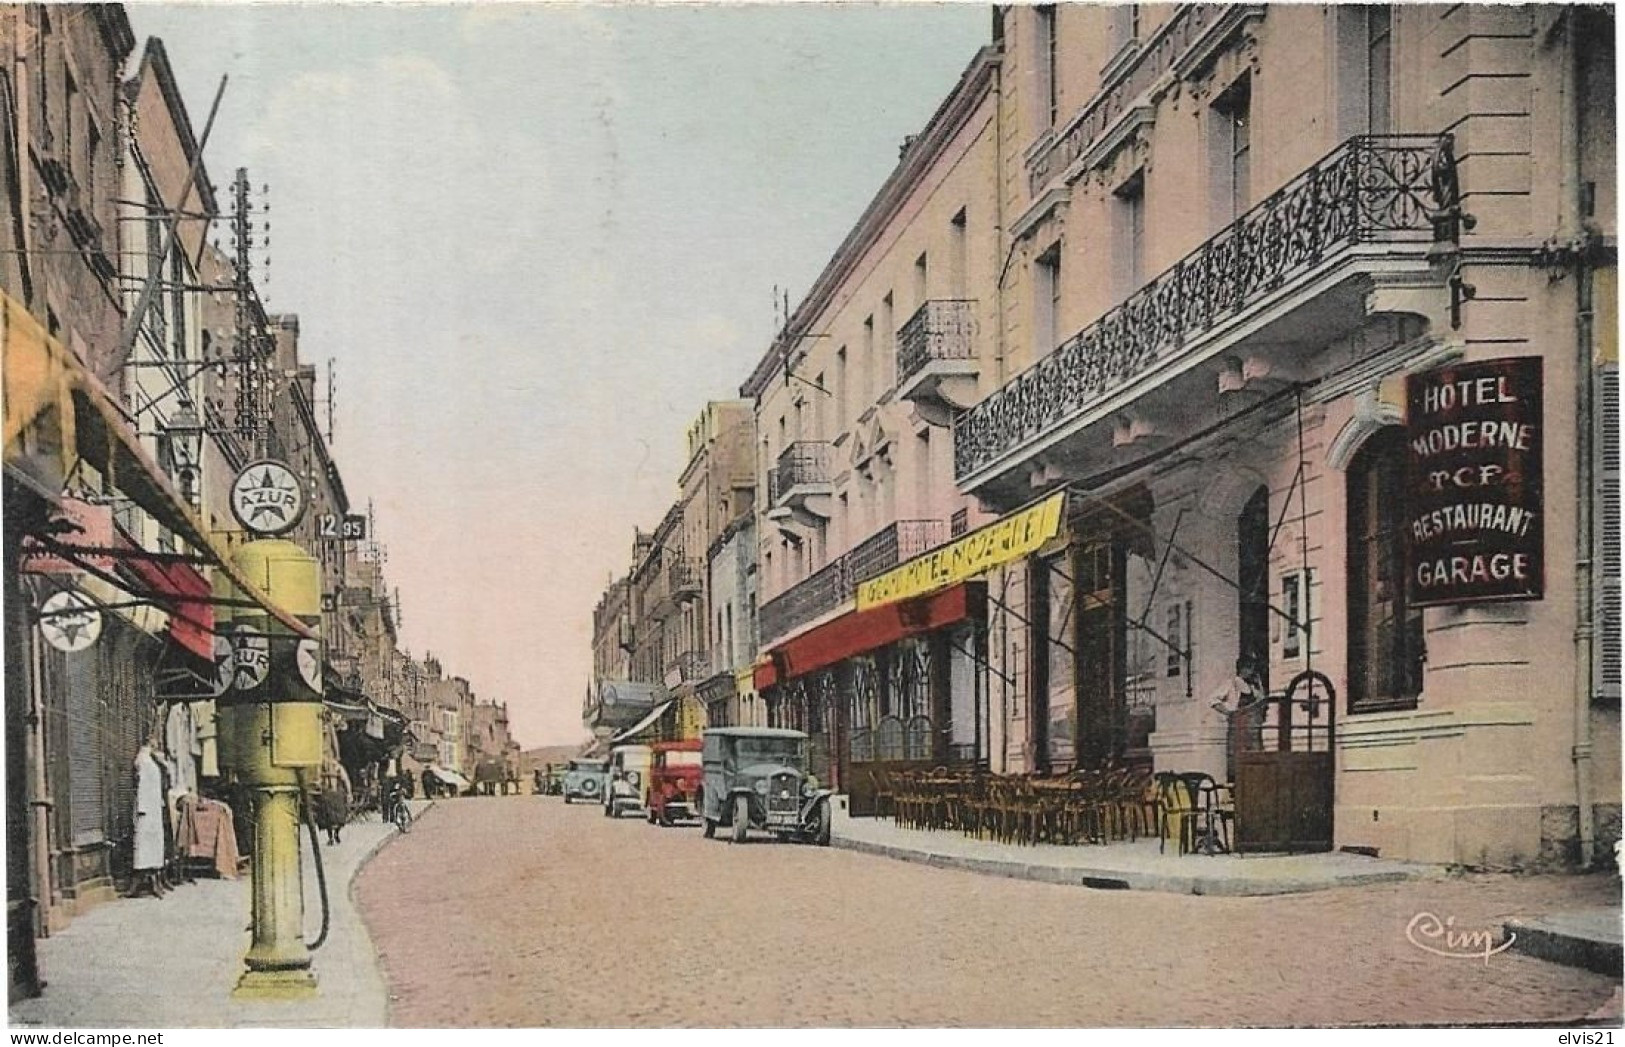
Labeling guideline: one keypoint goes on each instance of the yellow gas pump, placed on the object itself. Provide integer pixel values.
(270, 732)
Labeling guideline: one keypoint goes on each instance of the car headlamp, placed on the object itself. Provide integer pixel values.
(761, 787)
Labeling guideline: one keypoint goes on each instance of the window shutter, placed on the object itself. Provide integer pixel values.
(1606, 684)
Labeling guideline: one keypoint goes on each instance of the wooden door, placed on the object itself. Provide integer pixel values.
(1284, 769)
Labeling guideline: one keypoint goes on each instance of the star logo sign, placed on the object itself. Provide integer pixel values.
(266, 498)
(69, 622)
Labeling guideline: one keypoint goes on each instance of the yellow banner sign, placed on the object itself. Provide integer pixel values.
(1017, 535)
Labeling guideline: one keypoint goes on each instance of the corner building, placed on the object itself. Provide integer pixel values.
(853, 403)
(1237, 236)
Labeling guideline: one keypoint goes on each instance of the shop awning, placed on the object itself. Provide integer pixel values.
(858, 632)
(643, 724)
(183, 592)
(56, 412)
(1003, 541)
(449, 776)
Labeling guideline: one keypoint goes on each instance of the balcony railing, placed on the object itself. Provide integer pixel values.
(1391, 188)
(803, 462)
(690, 666)
(686, 577)
(891, 545)
(837, 581)
(941, 329)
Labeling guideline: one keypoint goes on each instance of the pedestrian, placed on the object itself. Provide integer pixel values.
(149, 823)
(332, 808)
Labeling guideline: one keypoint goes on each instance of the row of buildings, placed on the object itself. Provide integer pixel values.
(142, 375)
(1210, 387)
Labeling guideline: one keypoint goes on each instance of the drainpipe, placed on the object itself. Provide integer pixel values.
(22, 97)
(1571, 232)
(39, 801)
(1001, 234)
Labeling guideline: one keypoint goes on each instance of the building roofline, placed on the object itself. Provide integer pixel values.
(921, 152)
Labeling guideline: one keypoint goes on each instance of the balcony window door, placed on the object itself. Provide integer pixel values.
(888, 349)
(1230, 152)
(957, 277)
(871, 365)
(1379, 24)
(922, 475)
(1364, 69)
(841, 407)
(1128, 220)
(1047, 301)
(1046, 62)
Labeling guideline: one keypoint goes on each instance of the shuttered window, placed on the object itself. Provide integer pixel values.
(1607, 667)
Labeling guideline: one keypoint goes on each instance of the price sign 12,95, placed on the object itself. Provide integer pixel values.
(342, 528)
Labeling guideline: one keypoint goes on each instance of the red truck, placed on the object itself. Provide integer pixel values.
(674, 781)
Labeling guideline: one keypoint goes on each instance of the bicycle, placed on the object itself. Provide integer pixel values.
(400, 814)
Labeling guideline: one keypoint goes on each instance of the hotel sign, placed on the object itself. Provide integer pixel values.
(1017, 535)
(1475, 526)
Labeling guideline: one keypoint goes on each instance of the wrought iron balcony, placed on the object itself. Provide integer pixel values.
(1370, 195)
(936, 344)
(688, 667)
(803, 467)
(837, 581)
(685, 577)
(891, 545)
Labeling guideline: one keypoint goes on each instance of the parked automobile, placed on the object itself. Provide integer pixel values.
(628, 780)
(757, 777)
(674, 781)
(548, 780)
(586, 779)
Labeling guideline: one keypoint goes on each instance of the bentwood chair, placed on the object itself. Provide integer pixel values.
(1176, 811)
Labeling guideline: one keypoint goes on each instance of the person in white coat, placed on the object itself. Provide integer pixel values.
(149, 823)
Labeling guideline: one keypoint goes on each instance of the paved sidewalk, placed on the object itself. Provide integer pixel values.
(1589, 938)
(172, 962)
(1124, 865)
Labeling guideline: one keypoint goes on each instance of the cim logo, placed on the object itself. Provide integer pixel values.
(1441, 938)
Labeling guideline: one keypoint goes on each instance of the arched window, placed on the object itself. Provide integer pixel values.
(1384, 631)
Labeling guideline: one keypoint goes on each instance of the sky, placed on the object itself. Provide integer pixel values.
(536, 239)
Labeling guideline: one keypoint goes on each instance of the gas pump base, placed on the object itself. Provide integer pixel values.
(288, 984)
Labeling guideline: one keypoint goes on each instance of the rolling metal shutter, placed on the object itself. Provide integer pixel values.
(87, 791)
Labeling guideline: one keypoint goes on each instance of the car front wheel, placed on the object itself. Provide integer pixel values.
(741, 824)
(822, 824)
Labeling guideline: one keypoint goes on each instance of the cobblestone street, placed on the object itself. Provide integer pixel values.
(522, 911)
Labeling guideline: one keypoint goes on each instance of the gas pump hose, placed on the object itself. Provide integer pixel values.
(321, 877)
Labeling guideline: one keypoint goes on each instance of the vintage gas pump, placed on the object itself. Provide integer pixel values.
(270, 735)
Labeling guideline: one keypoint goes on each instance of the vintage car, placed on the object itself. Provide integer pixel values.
(674, 781)
(628, 786)
(757, 777)
(586, 779)
(549, 780)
